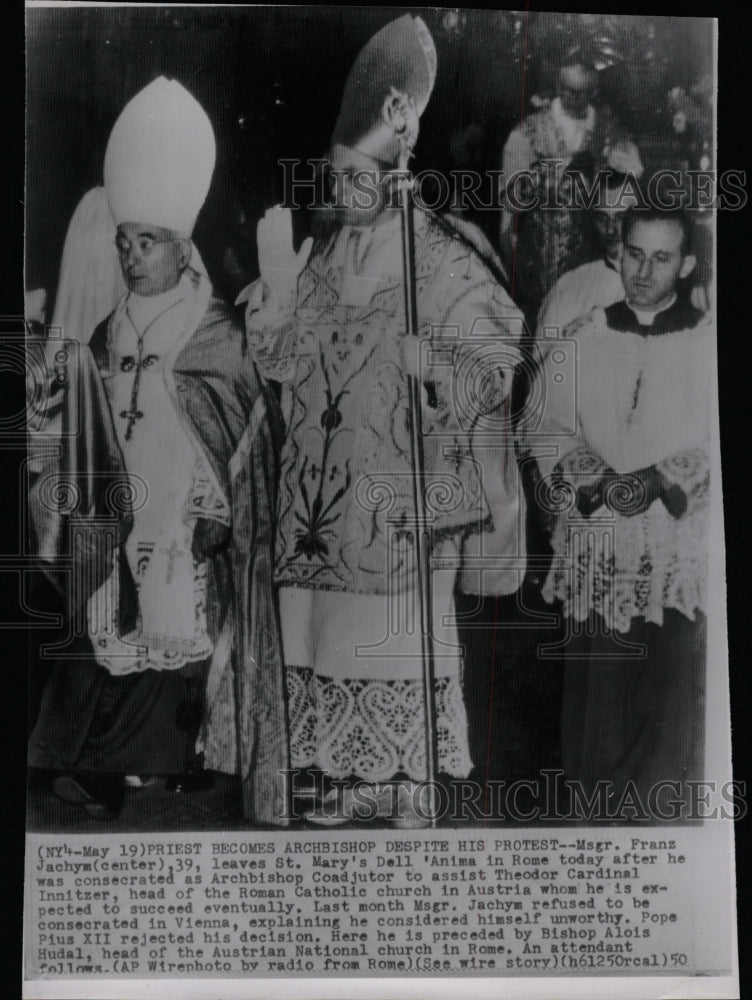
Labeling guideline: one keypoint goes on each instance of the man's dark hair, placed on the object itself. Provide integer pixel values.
(654, 214)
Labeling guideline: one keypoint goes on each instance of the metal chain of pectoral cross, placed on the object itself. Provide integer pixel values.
(133, 413)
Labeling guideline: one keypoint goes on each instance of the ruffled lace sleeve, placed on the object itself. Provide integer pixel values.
(690, 471)
(582, 467)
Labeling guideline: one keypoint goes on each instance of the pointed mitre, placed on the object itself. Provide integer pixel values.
(401, 55)
(160, 158)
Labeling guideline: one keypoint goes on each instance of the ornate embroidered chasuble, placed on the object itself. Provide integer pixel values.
(345, 493)
(550, 237)
(346, 507)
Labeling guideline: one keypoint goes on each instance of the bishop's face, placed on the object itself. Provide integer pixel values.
(357, 186)
(152, 259)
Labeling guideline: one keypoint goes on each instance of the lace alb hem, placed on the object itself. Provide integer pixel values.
(142, 650)
(373, 729)
(635, 567)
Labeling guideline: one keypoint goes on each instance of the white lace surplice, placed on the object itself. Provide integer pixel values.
(357, 707)
(641, 401)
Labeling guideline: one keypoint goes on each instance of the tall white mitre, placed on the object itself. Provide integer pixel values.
(160, 158)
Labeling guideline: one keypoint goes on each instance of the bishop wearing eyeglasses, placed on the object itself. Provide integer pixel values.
(192, 426)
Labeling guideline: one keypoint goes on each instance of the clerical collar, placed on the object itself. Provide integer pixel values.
(144, 308)
(646, 317)
(678, 315)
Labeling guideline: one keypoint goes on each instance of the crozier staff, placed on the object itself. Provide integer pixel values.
(328, 323)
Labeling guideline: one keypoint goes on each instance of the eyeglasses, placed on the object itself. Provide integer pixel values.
(145, 245)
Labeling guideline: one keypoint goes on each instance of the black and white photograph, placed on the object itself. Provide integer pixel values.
(372, 504)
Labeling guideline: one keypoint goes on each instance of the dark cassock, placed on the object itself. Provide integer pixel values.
(160, 447)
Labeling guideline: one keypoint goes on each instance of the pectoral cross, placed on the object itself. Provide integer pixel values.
(131, 416)
(128, 364)
(173, 552)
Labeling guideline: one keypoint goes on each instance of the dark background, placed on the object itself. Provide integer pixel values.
(270, 79)
(53, 190)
